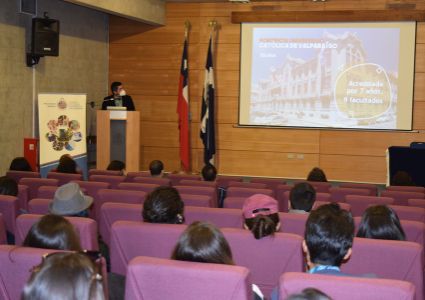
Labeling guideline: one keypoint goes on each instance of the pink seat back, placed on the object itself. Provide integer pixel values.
(400, 197)
(271, 183)
(247, 192)
(17, 175)
(135, 186)
(118, 196)
(280, 197)
(338, 194)
(9, 208)
(266, 258)
(153, 180)
(34, 183)
(223, 181)
(131, 175)
(234, 202)
(197, 200)
(360, 203)
(48, 192)
(64, 178)
(220, 217)
(3, 239)
(85, 227)
(409, 213)
(249, 185)
(402, 188)
(176, 178)
(112, 180)
(147, 277)
(131, 239)
(39, 206)
(186, 182)
(320, 187)
(293, 223)
(340, 287)
(416, 202)
(104, 172)
(23, 197)
(199, 190)
(343, 205)
(379, 256)
(373, 188)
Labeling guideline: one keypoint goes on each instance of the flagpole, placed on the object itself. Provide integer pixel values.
(186, 29)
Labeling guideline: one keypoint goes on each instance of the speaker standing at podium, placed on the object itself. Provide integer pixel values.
(118, 98)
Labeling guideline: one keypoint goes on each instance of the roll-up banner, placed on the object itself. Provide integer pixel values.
(62, 130)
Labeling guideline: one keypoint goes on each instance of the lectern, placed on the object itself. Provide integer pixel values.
(118, 138)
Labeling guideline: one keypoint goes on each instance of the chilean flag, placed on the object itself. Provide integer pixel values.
(183, 111)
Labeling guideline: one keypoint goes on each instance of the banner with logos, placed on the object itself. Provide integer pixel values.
(62, 130)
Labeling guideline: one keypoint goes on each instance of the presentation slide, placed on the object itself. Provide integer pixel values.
(328, 75)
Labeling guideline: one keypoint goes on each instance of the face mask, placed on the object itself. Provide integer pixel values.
(122, 92)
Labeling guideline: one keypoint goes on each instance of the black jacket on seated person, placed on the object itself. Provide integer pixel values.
(126, 101)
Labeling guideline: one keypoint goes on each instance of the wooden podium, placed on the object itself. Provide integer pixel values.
(118, 138)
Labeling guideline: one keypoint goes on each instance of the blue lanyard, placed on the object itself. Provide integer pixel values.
(322, 267)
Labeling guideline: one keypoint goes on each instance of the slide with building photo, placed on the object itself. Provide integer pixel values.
(328, 75)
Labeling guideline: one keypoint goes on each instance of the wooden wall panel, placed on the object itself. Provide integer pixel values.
(147, 60)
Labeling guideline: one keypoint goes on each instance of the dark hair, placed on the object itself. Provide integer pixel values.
(317, 174)
(203, 242)
(115, 85)
(381, 222)
(53, 232)
(329, 234)
(156, 167)
(8, 186)
(66, 165)
(402, 178)
(263, 225)
(302, 196)
(116, 165)
(309, 294)
(163, 205)
(209, 172)
(20, 164)
(66, 276)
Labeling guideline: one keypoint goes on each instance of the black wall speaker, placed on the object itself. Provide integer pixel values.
(45, 37)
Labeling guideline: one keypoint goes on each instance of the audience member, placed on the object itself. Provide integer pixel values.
(156, 167)
(53, 232)
(8, 186)
(261, 215)
(317, 174)
(20, 164)
(209, 173)
(381, 222)
(163, 205)
(302, 197)
(67, 165)
(309, 294)
(116, 165)
(67, 276)
(402, 178)
(69, 200)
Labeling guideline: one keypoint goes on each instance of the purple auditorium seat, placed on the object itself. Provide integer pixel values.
(247, 192)
(353, 288)
(23, 197)
(280, 194)
(199, 190)
(112, 180)
(220, 217)
(373, 188)
(342, 205)
(176, 178)
(271, 183)
(131, 175)
(85, 227)
(398, 260)
(118, 196)
(3, 239)
(402, 188)
(248, 185)
(293, 223)
(416, 202)
(186, 182)
(266, 258)
(131, 239)
(234, 202)
(64, 178)
(147, 277)
(320, 187)
(39, 206)
(48, 192)
(18, 175)
(338, 194)
(400, 197)
(223, 181)
(360, 203)
(197, 200)
(104, 172)
(9, 208)
(409, 212)
(153, 180)
(135, 186)
(34, 183)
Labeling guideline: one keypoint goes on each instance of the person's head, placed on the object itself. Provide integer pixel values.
(209, 172)
(117, 89)
(402, 178)
(156, 168)
(309, 294)
(203, 242)
(261, 215)
(8, 186)
(69, 200)
(163, 205)
(328, 236)
(116, 165)
(381, 222)
(20, 164)
(67, 165)
(65, 276)
(302, 196)
(53, 232)
(317, 174)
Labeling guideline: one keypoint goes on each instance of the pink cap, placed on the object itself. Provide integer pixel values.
(259, 204)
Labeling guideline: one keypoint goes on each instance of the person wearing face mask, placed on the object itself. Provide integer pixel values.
(118, 97)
